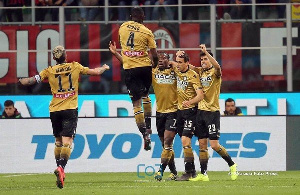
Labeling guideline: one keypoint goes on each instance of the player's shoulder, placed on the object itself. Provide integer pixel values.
(74, 63)
(125, 23)
(193, 73)
(146, 30)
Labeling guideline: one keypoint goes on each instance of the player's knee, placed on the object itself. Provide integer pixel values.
(67, 145)
(66, 151)
(168, 141)
(147, 106)
(57, 149)
(186, 141)
(139, 115)
(203, 144)
(137, 103)
(215, 146)
(58, 144)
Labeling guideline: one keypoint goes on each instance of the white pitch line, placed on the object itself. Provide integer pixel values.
(26, 174)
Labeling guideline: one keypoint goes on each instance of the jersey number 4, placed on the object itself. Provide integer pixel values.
(130, 40)
(60, 87)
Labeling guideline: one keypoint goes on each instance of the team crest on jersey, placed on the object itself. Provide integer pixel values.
(164, 40)
(182, 84)
(205, 81)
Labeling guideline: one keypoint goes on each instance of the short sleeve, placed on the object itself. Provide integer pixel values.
(44, 74)
(83, 70)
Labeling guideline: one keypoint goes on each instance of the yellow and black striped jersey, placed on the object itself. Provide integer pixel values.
(165, 88)
(135, 40)
(63, 80)
(211, 84)
(187, 84)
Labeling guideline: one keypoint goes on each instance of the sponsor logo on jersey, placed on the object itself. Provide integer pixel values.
(133, 53)
(205, 81)
(165, 79)
(64, 95)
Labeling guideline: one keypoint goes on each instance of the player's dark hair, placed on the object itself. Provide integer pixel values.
(8, 103)
(137, 14)
(203, 54)
(185, 57)
(229, 100)
(164, 54)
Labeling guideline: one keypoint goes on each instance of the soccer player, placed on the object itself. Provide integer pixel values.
(135, 40)
(190, 92)
(10, 111)
(231, 109)
(165, 88)
(63, 79)
(208, 115)
(164, 85)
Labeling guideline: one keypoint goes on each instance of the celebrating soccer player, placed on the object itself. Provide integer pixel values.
(135, 39)
(190, 92)
(63, 79)
(164, 85)
(208, 115)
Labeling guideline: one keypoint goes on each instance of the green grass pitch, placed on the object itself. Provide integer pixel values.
(287, 182)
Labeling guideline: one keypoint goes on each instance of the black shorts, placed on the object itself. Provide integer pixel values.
(138, 81)
(208, 125)
(165, 121)
(64, 122)
(186, 122)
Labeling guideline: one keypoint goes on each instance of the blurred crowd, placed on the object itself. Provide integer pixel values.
(231, 9)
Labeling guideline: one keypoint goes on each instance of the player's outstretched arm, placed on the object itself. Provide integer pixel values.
(98, 71)
(212, 60)
(28, 80)
(113, 49)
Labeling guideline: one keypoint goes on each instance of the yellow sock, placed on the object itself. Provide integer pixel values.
(139, 119)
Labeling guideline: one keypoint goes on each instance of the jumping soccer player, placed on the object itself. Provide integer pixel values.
(135, 39)
(164, 85)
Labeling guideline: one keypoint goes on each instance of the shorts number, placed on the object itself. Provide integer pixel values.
(60, 88)
(188, 123)
(174, 124)
(130, 40)
(211, 128)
